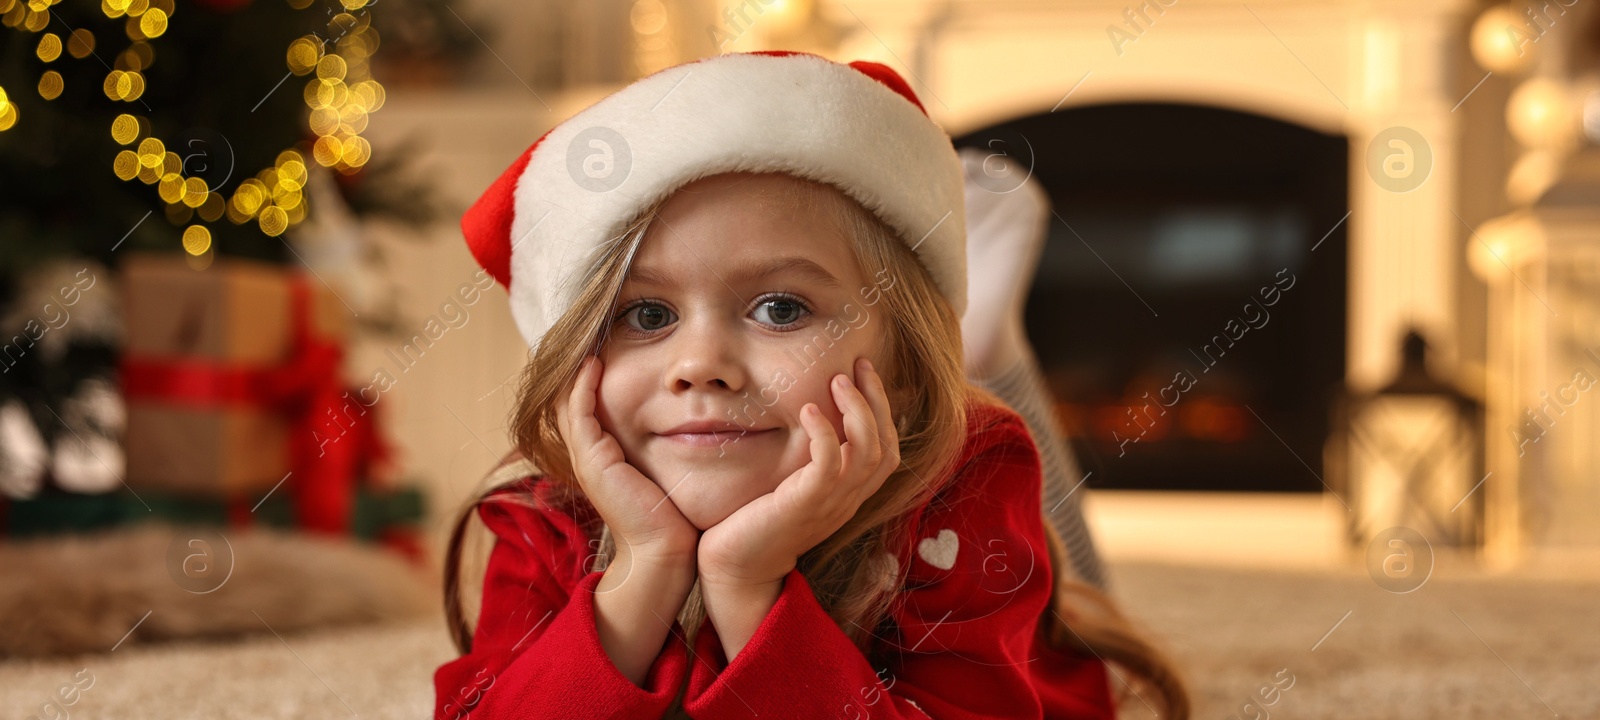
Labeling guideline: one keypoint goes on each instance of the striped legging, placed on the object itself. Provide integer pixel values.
(1022, 386)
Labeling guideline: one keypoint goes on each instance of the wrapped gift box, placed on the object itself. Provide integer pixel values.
(220, 370)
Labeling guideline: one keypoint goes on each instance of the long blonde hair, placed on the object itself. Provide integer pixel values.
(930, 394)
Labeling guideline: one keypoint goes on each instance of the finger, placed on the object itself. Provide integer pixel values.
(583, 390)
(862, 452)
(825, 458)
(580, 407)
(877, 395)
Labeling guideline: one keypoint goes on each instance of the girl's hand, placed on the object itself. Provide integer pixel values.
(646, 524)
(761, 542)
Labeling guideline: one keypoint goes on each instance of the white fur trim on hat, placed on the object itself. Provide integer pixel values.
(799, 114)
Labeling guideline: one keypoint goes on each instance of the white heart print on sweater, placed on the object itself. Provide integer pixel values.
(940, 551)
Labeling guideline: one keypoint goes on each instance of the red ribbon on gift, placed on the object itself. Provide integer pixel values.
(306, 387)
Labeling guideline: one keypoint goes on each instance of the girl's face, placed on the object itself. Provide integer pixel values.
(741, 306)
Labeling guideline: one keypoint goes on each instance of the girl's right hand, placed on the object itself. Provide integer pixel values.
(645, 522)
(654, 568)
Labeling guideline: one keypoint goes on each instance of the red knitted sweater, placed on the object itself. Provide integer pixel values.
(964, 641)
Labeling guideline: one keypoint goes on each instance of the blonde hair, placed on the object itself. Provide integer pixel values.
(930, 394)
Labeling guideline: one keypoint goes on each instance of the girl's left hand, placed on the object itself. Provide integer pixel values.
(761, 542)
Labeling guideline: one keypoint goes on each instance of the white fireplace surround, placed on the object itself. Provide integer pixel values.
(1343, 68)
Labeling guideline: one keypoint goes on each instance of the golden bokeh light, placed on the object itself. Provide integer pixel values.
(153, 23)
(247, 199)
(126, 165)
(1542, 114)
(324, 120)
(273, 221)
(341, 95)
(150, 152)
(135, 81)
(195, 192)
(304, 54)
(344, 24)
(332, 67)
(196, 240)
(80, 44)
(118, 85)
(357, 151)
(327, 151)
(49, 47)
(50, 85)
(292, 170)
(286, 198)
(171, 188)
(1494, 46)
(124, 129)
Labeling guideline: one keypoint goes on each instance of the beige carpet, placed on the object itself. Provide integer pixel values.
(1463, 647)
(1459, 647)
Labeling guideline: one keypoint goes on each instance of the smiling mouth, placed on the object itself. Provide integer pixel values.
(715, 438)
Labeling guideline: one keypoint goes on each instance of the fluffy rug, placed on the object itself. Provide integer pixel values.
(154, 583)
(1459, 648)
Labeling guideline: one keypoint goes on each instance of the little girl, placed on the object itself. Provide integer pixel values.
(750, 477)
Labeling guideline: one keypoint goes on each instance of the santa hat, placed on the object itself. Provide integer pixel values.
(540, 227)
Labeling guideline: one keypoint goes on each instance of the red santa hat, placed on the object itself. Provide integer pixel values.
(540, 227)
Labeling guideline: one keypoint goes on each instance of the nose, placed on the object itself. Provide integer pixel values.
(705, 355)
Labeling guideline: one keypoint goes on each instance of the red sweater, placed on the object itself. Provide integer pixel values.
(965, 637)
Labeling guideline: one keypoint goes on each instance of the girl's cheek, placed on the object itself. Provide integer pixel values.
(604, 406)
(822, 395)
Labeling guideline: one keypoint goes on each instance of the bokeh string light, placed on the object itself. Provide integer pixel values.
(8, 111)
(339, 92)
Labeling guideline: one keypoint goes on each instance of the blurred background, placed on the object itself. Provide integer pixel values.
(1319, 309)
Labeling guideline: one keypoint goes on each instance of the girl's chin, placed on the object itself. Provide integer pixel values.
(702, 513)
(703, 521)
(707, 493)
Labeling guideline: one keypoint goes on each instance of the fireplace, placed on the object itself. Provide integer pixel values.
(1189, 307)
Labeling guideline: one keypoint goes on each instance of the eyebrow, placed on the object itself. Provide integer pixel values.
(750, 270)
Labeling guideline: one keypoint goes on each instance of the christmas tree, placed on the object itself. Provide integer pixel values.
(143, 125)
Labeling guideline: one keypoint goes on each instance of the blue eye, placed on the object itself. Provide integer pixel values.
(651, 316)
(782, 310)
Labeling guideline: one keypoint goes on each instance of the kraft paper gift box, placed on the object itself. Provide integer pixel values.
(222, 369)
